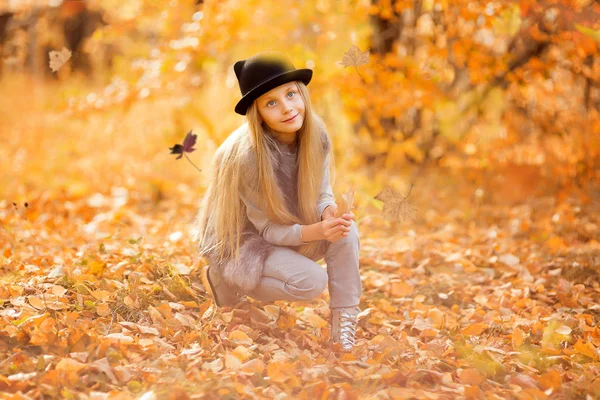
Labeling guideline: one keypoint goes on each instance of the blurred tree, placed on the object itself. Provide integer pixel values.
(478, 75)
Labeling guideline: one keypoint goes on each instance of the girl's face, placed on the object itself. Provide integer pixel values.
(282, 108)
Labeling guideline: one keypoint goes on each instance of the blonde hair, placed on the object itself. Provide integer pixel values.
(221, 217)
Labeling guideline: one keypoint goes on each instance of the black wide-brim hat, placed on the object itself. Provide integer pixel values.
(263, 72)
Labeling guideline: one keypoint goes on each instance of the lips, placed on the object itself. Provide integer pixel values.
(288, 120)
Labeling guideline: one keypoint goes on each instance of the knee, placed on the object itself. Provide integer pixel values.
(311, 284)
(351, 239)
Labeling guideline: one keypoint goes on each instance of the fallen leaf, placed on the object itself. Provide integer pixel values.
(475, 329)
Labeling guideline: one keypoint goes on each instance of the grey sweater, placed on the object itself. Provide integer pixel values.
(260, 235)
(288, 235)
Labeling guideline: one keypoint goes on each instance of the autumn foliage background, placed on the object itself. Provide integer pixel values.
(470, 132)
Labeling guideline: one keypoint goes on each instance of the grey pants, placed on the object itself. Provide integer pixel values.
(288, 275)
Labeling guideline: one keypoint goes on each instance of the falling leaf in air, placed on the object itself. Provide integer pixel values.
(355, 58)
(187, 147)
(395, 206)
(346, 204)
(59, 58)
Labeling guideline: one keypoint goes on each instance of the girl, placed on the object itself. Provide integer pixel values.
(269, 212)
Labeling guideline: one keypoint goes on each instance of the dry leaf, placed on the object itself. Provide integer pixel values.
(255, 366)
(395, 206)
(286, 321)
(241, 337)
(103, 310)
(353, 57)
(475, 329)
(400, 289)
(346, 204)
(59, 58)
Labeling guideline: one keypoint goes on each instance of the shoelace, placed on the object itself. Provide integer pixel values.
(347, 329)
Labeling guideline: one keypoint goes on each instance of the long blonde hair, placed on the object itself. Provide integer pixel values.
(221, 217)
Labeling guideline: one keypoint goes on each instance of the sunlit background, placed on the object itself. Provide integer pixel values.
(469, 130)
(494, 101)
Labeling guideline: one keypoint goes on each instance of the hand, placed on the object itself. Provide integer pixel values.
(329, 212)
(336, 228)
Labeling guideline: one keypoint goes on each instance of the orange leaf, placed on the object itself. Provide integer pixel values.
(400, 289)
(473, 392)
(36, 302)
(475, 329)
(241, 337)
(103, 310)
(100, 294)
(551, 380)
(280, 372)
(255, 365)
(517, 337)
(470, 376)
(586, 348)
(437, 318)
(286, 321)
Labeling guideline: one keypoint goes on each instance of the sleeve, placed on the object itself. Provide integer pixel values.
(277, 234)
(326, 197)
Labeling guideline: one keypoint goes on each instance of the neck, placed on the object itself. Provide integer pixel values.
(289, 139)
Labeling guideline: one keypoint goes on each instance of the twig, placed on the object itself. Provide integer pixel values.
(361, 77)
(186, 156)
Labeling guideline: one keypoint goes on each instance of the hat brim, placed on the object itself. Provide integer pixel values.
(304, 75)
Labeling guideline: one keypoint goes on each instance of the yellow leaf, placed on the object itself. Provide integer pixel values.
(241, 337)
(437, 318)
(242, 352)
(69, 365)
(36, 302)
(517, 337)
(279, 372)
(346, 204)
(586, 348)
(286, 321)
(272, 310)
(400, 289)
(470, 376)
(317, 321)
(563, 330)
(103, 310)
(119, 337)
(58, 290)
(100, 294)
(96, 267)
(551, 380)
(255, 365)
(411, 148)
(475, 329)
(232, 362)
(555, 244)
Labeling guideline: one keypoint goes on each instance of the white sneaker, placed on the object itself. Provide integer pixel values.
(343, 327)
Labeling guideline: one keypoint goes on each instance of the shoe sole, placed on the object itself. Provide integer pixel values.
(208, 285)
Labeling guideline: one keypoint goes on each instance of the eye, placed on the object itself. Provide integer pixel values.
(270, 101)
(292, 92)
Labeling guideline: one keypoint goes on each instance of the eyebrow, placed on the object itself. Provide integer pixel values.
(287, 87)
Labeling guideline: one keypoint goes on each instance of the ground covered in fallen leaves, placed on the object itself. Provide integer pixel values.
(100, 295)
(100, 298)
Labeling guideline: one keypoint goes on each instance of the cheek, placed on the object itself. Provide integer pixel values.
(300, 104)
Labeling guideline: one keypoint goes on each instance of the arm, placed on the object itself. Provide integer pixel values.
(278, 234)
(326, 197)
